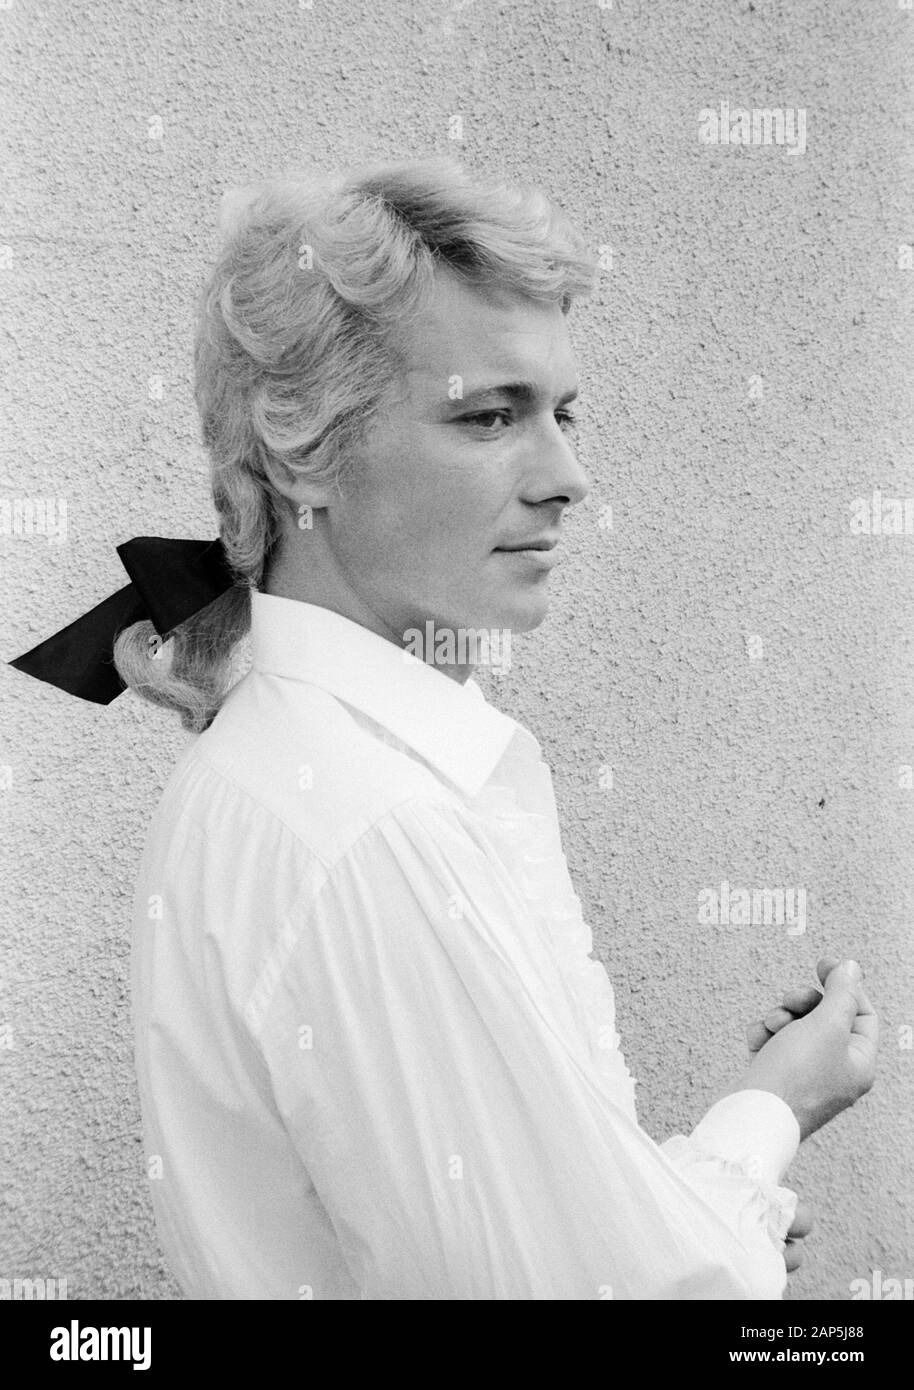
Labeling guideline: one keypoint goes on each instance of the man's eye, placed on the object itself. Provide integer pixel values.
(490, 421)
(486, 419)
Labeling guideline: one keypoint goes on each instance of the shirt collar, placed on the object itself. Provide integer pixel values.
(451, 726)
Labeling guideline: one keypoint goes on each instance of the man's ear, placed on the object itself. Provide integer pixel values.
(298, 489)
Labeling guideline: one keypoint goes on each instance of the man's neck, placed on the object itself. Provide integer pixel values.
(291, 578)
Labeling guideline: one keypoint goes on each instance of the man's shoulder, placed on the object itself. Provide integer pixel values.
(315, 766)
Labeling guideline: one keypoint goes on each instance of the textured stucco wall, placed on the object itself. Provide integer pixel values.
(730, 501)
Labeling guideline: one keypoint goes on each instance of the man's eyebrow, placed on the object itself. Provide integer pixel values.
(521, 391)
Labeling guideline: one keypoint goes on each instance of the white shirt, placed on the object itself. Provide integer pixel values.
(375, 1057)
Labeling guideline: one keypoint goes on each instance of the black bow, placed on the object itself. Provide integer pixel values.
(170, 582)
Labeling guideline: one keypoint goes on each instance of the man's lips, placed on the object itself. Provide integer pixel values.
(540, 553)
(541, 543)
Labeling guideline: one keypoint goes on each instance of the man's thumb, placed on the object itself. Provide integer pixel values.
(842, 989)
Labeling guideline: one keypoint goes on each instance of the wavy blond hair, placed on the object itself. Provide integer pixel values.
(294, 352)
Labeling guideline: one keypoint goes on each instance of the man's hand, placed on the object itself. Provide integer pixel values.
(801, 1227)
(823, 1061)
(795, 1004)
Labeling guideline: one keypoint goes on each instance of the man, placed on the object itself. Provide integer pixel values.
(375, 1057)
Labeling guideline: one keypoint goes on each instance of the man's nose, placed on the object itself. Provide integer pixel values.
(558, 475)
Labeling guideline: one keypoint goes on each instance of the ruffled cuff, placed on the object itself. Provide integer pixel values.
(741, 1191)
(754, 1128)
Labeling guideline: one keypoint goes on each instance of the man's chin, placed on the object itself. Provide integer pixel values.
(521, 612)
(523, 616)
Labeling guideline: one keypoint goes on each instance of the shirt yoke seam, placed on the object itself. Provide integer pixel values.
(427, 797)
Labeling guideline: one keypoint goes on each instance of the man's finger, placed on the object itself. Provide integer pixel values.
(802, 999)
(777, 1019)
(843, 998)
(756, 1036)
(866, 1026)
(802, 1222)
(866, 1021)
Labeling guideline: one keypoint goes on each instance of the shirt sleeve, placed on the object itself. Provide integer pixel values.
(460, 1140)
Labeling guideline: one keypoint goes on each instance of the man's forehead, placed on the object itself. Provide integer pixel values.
(499, 338)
